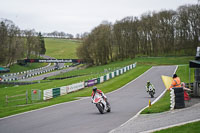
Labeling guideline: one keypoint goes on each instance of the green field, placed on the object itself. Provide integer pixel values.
(61, 48)
(187, 128)
(90, 73)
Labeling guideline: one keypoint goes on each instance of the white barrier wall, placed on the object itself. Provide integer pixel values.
(47, 94)
(107, 76)
(131, 66)
(113, 74)
(124, 69)
(101, 79)
(63, 90)
(117, 72)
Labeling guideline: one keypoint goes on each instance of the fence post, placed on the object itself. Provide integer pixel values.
(6, 99)
(26, 97)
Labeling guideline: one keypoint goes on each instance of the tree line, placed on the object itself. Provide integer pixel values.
(17, 44)
(167, 32)
(57, 34)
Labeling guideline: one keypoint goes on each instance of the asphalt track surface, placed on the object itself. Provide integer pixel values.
(83, 117)
(41, 77)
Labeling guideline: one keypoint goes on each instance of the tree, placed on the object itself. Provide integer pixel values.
(42, 44)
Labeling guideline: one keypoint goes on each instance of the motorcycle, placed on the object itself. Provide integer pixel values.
(151, 91)
(101, 104)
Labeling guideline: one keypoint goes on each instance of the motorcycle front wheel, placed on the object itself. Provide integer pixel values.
(100, 108)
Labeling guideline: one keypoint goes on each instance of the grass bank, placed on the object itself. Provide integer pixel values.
(187, 128)
(61, 48)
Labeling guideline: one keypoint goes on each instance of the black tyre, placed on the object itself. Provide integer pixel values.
(178, 89)
(100, 108)
(108, 106)
(179, 105)
(181, 94)
(151, 94)
(179, 99)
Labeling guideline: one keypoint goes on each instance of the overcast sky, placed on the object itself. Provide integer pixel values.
(77, 16)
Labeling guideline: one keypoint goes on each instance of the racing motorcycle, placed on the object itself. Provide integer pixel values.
(151, 91)
(101, 104)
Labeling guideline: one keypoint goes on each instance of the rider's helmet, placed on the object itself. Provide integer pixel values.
(148, 83)
(174, 76)
(94, 88)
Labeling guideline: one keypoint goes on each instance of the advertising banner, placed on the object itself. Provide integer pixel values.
(90, 82)
(75, 87)
(104, 77)
(110, 75)
(56, 92)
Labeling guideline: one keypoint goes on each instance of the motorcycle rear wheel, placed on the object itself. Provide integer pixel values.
(151, 94)
(109, 108)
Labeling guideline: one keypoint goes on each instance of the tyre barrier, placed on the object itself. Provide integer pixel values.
(179, 97)
(172, 99)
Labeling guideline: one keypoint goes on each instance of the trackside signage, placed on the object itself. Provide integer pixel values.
(51, 61)
(75, 87)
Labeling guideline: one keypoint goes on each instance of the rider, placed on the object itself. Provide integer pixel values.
(97, 91)
(150, 86)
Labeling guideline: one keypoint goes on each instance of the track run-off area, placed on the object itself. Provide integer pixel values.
(82, 116)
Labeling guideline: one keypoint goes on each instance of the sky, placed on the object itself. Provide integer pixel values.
(78, 16)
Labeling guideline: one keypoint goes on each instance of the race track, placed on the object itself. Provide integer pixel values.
(83, 117)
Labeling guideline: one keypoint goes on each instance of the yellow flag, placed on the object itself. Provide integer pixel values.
(167, 81)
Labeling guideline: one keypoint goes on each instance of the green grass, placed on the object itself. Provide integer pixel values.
(91, 72)
(187, 128)
(164, 103)
(61, 48)
(164, 60)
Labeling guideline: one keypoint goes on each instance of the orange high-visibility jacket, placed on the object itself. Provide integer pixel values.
(176, 82)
